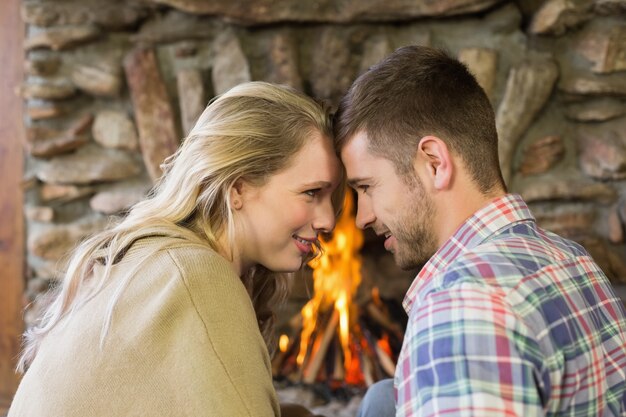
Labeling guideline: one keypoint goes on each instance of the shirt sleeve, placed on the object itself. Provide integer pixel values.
(467, 354)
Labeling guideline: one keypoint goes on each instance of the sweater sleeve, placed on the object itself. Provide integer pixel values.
(225, 309)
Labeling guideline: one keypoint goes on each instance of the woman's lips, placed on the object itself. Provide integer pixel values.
(303, 245)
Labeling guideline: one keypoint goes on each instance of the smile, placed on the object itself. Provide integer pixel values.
(304, 245)
(389, 242)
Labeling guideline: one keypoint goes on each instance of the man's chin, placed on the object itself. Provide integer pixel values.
(407, 263)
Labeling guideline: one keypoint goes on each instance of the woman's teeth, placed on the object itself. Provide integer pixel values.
(305, 242)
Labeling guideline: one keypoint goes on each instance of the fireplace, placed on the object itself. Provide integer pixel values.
(555, 74)
(346, 335)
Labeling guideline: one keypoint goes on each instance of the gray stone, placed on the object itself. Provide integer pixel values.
(614, 224)
(119, 197)
(89, 164)
(57, 241)
(45, 269)
(599, 110)
(283, 59)
(541, 155)
(63, 193)
(481, 62)
(339, 408)
(568, 190)
(374, 50)
(622, 210)
(113, 14)
(609, 7)
(184, 49)
(332, 68)
(528, 88)
(154, 116)
(39, 213)
(38, 110)
(46, 142)
(610, 262)
(48, 89)
(605, 48)
(191, 96)
(99, 79)
(176, 26)
(565, 220)
(348, 11)
(114, 129)
(230, 66)
(603, 150)
(54, 146)
(592, 85)
(62, 37)
(42, 65)
(555, 17)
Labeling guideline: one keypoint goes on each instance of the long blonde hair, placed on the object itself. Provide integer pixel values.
(249, 133)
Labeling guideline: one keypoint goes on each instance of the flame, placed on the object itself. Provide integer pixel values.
(336, 277)
(283, 343)
(383, 343)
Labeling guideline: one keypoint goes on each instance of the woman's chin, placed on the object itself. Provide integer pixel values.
(287, 267)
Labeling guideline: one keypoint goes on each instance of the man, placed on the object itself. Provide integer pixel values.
(505, 318)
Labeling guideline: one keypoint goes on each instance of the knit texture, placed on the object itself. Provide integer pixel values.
(183, 341)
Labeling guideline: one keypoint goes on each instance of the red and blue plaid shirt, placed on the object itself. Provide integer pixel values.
(507, 319)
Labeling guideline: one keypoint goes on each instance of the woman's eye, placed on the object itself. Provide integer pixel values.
(363, 188)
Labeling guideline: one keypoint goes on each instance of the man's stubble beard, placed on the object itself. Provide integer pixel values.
(416, 242)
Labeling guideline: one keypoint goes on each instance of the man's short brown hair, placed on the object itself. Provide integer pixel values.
(415, 92)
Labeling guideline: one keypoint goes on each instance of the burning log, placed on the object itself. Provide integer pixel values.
(318, 356)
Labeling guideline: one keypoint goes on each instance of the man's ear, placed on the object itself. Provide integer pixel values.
(433, 159)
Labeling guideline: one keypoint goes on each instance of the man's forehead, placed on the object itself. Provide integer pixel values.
(356, 144)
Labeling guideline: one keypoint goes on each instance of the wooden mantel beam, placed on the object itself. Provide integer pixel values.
(11, 201)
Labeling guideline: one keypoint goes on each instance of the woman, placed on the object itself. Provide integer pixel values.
(170, 311)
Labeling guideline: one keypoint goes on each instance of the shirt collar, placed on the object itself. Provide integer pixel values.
(499, 213)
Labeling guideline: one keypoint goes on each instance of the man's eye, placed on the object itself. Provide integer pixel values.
(313, 192)
(363, 188)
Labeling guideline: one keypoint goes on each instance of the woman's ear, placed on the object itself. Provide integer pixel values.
(236, 194)
(433, 158)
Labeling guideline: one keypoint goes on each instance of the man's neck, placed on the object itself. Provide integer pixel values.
(455, 206)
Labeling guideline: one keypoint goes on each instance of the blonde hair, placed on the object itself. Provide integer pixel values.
(249, 133)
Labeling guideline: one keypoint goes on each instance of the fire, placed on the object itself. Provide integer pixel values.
(336, 277)
(338, 340)
(283, 343)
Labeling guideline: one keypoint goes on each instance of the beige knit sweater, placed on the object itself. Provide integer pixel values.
(183, 341)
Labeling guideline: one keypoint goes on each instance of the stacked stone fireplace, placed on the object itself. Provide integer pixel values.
(113, 86)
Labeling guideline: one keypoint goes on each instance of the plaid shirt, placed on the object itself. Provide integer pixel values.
(507, 319)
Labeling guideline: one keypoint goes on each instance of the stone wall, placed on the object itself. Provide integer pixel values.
(112, 86)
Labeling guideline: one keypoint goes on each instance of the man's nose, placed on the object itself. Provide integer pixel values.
(364, 214)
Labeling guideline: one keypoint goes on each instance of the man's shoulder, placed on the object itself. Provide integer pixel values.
(519, 251)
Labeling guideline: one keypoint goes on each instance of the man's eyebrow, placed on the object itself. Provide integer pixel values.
(353, 182)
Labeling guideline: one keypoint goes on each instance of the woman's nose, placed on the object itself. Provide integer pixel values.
(325, 218)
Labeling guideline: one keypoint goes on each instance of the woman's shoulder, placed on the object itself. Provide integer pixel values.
(189, 257)
(193, 258)
(193, 268)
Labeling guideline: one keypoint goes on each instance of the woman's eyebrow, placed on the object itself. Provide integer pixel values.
(318, 184)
